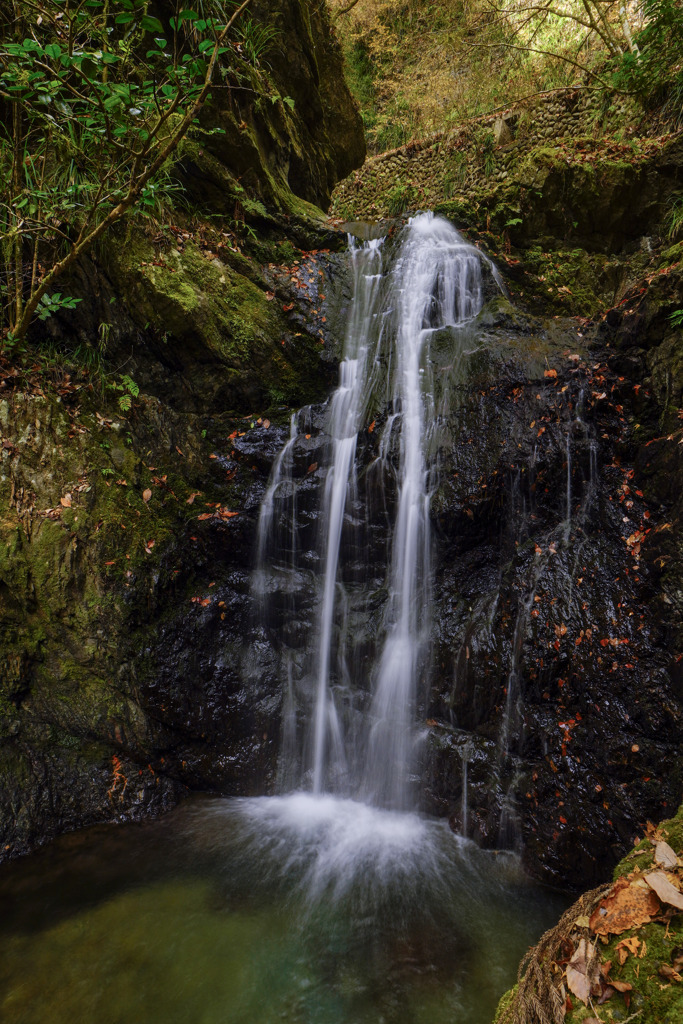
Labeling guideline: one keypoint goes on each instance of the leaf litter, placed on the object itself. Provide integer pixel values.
(566, 969)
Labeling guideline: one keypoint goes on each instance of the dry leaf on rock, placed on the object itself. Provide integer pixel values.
(582, 971)
(667, 892)
(627, 906)
(621, 986)
(627, 946)
(146, 494)
(65, 501)
(664, 855)
(664, 971)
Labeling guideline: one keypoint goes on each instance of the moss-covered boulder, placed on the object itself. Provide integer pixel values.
(618, 952)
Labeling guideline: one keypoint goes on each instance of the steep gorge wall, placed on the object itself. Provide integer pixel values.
(121, 667)
(290, 128)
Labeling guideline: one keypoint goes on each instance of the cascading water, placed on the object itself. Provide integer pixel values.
(335, 902)
(434, 284)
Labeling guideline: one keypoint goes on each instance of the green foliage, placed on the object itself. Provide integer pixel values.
(675, 217)
(676, 318)
(655, 72)
(99, 95)
(401, 197)
(287, 100)
(129, 389)
(49, 304)
(256, 40)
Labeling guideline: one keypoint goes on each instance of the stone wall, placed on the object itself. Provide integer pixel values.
(479, 152)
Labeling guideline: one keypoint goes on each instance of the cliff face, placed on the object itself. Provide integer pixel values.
(290, 128)
(121, 667)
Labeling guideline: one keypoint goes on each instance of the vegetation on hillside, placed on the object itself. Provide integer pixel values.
(420, 67)
(95, 99)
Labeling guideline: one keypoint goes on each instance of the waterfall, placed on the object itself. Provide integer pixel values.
(361, 713)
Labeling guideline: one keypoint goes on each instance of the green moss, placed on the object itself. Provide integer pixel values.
(505, 1001)
(652, 997)
(672, 255)
(657, 1001)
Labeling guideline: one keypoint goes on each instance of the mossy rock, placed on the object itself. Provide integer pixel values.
(653, 994)
(215, 328)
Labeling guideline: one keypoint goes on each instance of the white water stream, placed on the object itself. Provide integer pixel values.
(434, 282)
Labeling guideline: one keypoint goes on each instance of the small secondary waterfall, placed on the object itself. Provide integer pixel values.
(367, 748)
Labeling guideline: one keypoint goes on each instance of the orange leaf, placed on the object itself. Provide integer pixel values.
(627, 906)
(550, 373)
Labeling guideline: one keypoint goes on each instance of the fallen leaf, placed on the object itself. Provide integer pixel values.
(668, 972)
(312, 468)
(146, 494)
(606, 994)
(627, 906)
(664, 855)
(551, 373)
(667, 892)
(122, 483)
(582, 973)
(266, 424)
(372, 426)
(627, 946)
(205, 515)
(65, 501)
(621, 986)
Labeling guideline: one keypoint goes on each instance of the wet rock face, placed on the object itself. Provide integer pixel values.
(554, 677)
(552, 688)
(551, 673)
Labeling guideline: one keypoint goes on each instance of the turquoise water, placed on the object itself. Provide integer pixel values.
(299, 910)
